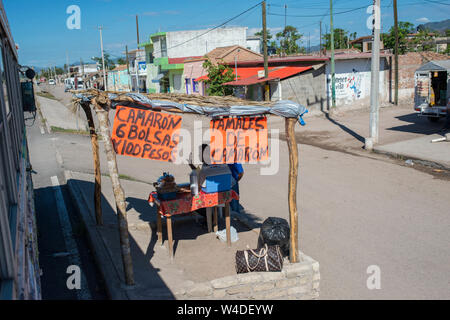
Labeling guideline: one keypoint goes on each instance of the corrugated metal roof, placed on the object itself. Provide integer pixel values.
(274, 74)
(436, 65)
(241, 72)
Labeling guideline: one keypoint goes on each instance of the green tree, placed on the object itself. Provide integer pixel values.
(404, 28)
(121, 61)
(272, 46)
(423, 40)
(288, 39)
(217, 76)
(341, 38)
(260, 34)
(109, 64)
(59, 70)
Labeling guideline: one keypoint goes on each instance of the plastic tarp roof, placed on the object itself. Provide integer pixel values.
(282, 108)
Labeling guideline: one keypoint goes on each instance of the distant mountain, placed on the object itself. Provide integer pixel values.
(439, 26)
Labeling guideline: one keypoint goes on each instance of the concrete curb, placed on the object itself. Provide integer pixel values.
(112, 280)
(422, 161)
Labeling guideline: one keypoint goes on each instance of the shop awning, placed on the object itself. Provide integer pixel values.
(158, 77)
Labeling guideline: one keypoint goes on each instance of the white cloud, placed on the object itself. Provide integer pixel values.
(423, 20)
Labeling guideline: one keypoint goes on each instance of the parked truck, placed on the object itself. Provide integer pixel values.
(432, 90)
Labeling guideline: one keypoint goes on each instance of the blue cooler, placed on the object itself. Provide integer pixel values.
(215, 178)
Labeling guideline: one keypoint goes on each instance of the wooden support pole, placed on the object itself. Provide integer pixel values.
(292, 196)
(95, 153)
(228, 223)
(159, 225)
(215, 219)
(170, 236)
(101, 109)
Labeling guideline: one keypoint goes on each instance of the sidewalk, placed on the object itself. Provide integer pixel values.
(402, 134)
(204, 259)
(58, 115)
(435, 154)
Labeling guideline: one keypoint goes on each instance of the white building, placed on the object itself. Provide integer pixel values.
(254, 43)
(165, 53)
(177, 44)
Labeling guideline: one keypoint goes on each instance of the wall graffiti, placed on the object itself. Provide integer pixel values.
(348, 85)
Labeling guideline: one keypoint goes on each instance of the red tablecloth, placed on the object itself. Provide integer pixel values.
(185, 202)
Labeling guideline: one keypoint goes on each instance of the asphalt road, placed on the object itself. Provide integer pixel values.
(61, 241)
(356, 210)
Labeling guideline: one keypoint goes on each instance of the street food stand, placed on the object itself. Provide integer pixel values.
(158, 109)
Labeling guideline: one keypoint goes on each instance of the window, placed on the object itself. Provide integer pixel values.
(150, 57)
(188, 86)
(4, 84)
(195, 86)
(163, 43)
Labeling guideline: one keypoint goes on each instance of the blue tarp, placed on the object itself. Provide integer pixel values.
(282, 108)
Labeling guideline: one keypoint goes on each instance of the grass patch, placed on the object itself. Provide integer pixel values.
(125, 177)
(72, 131)
(38, 108)
(47, 95)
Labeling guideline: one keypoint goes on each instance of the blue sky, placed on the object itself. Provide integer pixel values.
(39, 27)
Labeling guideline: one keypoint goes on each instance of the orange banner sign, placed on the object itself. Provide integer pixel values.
(241, 139)
(145, 134)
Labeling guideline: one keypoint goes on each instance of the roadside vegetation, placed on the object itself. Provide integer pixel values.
(46, 94)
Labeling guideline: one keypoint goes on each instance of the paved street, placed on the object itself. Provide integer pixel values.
(356, 209)
(56, 234)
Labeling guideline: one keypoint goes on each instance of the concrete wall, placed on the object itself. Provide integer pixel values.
(408, 64)
(193, 70)
(176, 81)
(307, 88)
(217, 38)
(254, 45)
(353, 79)
(152, 72)
(118, 80)
(297, 281)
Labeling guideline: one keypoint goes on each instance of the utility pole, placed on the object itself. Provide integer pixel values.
(320, 39)
(375, 74)
(266, 60)
(128, 68)
(67, 64)
(333, 78)
(137, 30)
(82, 71)
(396, 53)
(309, 42)
(105, 82)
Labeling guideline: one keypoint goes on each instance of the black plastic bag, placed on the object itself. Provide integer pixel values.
(275, 231)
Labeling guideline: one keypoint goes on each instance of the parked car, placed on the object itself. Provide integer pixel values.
(51, 81)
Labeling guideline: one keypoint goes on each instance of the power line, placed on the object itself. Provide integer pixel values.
(317, 15)
(438, 2)
(216, 27)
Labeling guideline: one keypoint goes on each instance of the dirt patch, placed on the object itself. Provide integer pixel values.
(206, 258)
